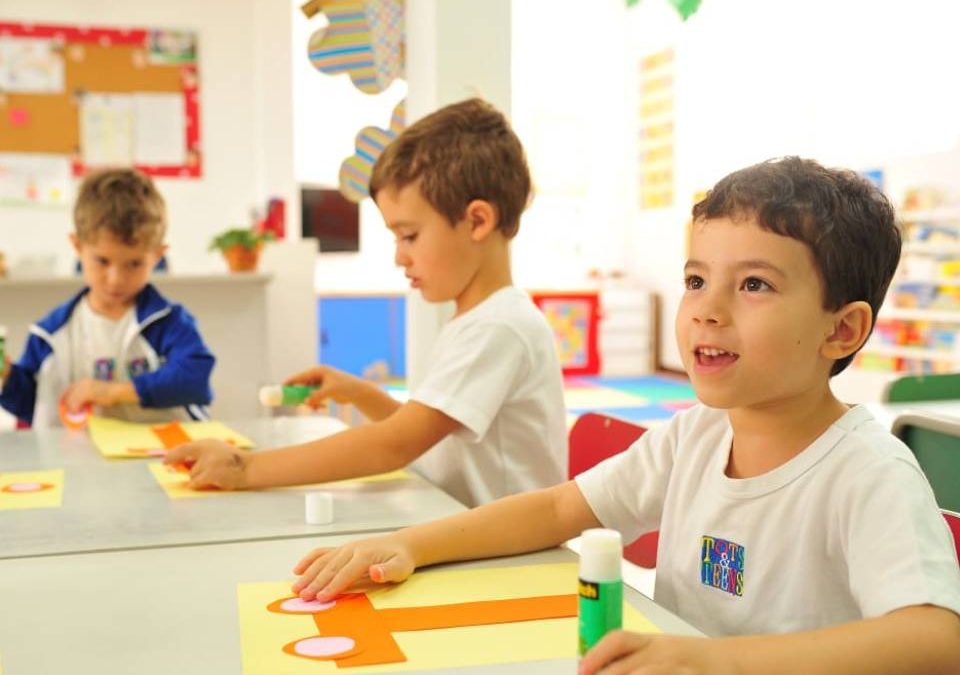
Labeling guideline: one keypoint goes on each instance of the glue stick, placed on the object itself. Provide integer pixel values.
(3, 345)
(288, 394)
(600, 587)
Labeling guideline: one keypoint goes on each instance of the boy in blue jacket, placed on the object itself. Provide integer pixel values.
(117, 345)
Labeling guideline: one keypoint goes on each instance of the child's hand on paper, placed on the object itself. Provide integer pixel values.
(213, 464)
(327, 572)
(330, 383)
(624, 652)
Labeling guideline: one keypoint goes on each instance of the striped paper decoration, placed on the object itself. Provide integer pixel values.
(364, 39)
(355, 171)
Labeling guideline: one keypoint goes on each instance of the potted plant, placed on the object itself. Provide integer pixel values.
(240, 247)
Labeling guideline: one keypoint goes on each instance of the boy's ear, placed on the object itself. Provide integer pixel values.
(851, 327)
(482, 216)
(75, 242)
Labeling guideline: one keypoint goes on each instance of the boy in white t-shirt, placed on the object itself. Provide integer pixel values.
(794, 529)
(488, 420)
(117, 346)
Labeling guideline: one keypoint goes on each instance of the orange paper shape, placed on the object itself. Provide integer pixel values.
(352, 632)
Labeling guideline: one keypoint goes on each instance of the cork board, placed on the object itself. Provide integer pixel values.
(101, 96)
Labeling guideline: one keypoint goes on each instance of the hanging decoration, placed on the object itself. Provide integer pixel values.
(364, 39)
(355, 170)
(685, 8)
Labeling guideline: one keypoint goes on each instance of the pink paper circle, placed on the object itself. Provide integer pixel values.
(318, 647)
(306, 606)
(25, 487)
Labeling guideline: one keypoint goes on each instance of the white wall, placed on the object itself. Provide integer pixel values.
(246, 108)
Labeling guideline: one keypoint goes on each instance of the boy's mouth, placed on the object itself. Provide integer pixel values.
(713, 356)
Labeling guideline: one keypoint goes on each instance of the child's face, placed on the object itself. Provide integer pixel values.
(439, 259)
(751, 323)
(114, 271)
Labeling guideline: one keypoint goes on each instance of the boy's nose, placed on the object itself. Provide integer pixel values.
(710, 310)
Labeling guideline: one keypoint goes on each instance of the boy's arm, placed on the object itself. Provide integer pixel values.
(530, 521)
(369, 449)
(370, 399)
(909, 641)
(184, 376)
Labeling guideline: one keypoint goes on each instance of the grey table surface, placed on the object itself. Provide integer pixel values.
(117, 504)
(174, 610)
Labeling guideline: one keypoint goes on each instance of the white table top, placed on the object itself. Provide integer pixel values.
(886, 413)
(174, 610)
(117, 504)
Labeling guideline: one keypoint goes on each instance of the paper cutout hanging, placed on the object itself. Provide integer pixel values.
(685, 8)
(449, 618)
(363, 39)
(117, 438)
(370, 142)
(31, 489)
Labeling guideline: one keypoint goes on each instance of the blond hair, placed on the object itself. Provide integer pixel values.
(125, 203)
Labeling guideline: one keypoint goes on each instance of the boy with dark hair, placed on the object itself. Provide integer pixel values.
(793, 528)
(117, 344)
(488, 420)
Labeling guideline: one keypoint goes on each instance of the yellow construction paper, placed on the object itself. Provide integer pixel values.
(263, 634)
(115, 438)
(44, 499)
(174, 482)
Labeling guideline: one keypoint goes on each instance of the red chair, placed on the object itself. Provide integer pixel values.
(953, 520)
(594, 438)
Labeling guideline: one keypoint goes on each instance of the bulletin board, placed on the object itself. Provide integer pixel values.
(98, 97)
(574, 318)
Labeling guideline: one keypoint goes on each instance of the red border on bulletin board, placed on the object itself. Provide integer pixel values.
(576, 341)
(105, 38)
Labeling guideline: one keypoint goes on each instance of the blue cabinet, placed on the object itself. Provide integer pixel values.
(358, 332)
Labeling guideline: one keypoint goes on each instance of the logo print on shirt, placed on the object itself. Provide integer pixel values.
(136, 367)
(103, 369)
(721, 564)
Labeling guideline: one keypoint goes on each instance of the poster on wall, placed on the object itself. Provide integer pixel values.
(34, 180)
(656, 117)
(96, 97)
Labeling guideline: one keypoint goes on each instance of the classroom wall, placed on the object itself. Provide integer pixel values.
(246, 113)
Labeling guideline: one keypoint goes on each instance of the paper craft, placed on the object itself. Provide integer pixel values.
(31, 489)
(116, 438)
(173, 480)
(434, 620)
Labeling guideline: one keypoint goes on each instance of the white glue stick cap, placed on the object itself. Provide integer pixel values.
(271, 395)
(601, 551)
(319, 508)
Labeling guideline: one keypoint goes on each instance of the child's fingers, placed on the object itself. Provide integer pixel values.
(392, 570)
(312, 376)
(308, 559)
(182, 454)
(322, 571)
(355, 569)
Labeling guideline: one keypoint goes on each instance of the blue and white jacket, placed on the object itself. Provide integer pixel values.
(177, 373)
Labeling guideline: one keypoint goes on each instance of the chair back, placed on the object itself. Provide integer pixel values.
(594, 438)
(908, 388)
(953, 520)
(935, 441)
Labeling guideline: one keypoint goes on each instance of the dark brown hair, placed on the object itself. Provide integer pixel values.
(847, 223)
(462, 152)
(125, 203)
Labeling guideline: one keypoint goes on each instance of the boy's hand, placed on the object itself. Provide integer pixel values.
(213, 464)
(330, 383)
(87, 392)
(327, 572)
(620, 652)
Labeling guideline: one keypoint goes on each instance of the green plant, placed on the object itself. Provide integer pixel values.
(238, 236)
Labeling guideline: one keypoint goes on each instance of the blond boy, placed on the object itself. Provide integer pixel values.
(117, 347)
(794, 529)
(488, 419)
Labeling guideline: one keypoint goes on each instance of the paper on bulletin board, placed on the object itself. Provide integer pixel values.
(118, 438)
(31, 489)
(30, 66)
(34, 179)
(159, 127)
(106, 129)
(263, 633)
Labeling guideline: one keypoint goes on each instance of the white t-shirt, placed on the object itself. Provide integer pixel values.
(847, 529)
(495, 370)
(105, 349)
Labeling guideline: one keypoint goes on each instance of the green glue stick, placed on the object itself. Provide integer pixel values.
(288, 394)
(600, 587)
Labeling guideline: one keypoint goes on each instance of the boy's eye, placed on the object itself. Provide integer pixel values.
(693, 282)
(136, 264)
(409, 238)
(753, 284)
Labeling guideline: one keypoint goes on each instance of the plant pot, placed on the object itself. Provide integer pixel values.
(241, 259)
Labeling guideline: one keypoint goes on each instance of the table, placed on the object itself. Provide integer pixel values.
(174, 610)
(886, 413)
(117, 504)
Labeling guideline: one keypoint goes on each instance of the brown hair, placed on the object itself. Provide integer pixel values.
(462, 152)
(123, 202)
(848, 224)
